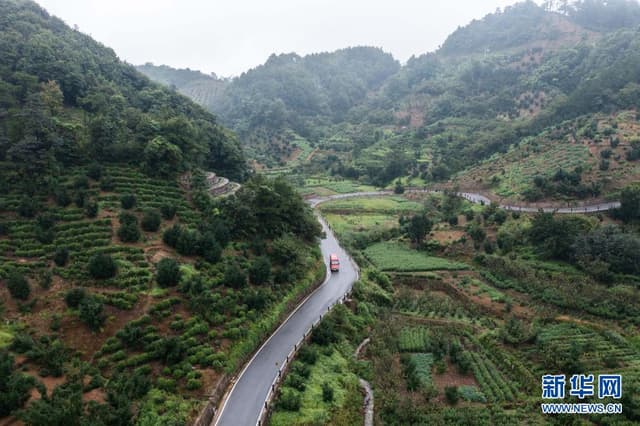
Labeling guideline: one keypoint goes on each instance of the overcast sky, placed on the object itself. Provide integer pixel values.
(231, 36)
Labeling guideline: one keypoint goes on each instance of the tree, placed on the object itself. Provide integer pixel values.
(260, 270)
(61, 256)
(209, 247)
(28, 207)
(102, 266)
(92, 312)
(171, 235)
(630, 204)
(168, 210)
(91, 208)
(168, 272)
(94, 171)
(162, 158)
(74, 297)
(128, 201)
(234, 276)
(18, 286)
(416, 227)
(63, 408)
(14, 386)
(151, 220)
(129, 232)
(452, 395)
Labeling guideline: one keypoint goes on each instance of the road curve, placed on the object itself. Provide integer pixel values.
(243, 405)
(478, 199)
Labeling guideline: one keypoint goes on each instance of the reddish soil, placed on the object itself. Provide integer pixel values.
(447, 236)
(451, 377)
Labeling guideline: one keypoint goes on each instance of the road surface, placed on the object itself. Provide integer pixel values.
(479, 199)
(244, 403)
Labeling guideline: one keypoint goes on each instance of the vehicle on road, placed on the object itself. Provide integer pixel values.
(334, 263)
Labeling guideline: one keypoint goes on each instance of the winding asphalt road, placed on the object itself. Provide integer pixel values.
(243, 405)
(480, 199)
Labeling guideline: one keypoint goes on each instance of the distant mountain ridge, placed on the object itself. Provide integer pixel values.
(511, 75)
(204, 89)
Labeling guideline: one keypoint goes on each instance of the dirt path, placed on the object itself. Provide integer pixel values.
(366, 387)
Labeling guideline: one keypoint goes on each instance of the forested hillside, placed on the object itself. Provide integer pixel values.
(515, 74)
(127, 291)
(68, 100)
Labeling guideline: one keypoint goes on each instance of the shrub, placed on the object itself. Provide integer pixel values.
(81, 182)
(451, 393)
(295, 381)
(102, 266)
(74, 297)
(62, 197)
(107, 184)
(168, 274)
(188, 242)
(234, 276)
(324, 333)
(80, 198)
(91, 312)
(260, 270)
(168, 211)
(129, 232)
(171, 235)
(128, 201)
(151, 221)
(61, 256)
(94, 171)
(28, 207)
(289, 400)
(308, 355)
(18, 286)
(46, 221)
(14, 386)
(45, 279)
(45, 236)
(209, 247)
(327, 392)
(91, 208)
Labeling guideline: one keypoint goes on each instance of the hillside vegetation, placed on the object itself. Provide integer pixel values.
(67, 100)
(516, 74)
(126, 290)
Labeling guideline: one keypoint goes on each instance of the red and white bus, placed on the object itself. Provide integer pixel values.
(334, 263)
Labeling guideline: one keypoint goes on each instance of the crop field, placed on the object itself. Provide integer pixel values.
(422, 363)
(389, 256)
(413, 339)
(328, 186)
(391, 205)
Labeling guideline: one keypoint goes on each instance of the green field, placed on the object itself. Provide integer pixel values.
(393, 204)
(391, 256)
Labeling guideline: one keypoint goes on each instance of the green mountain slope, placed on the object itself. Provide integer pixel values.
(127, 291)
(67, 99)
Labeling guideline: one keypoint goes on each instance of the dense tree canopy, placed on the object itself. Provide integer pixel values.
(66, 99)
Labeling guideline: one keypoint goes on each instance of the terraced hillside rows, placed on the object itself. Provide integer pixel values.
(466, 307)
(122, 276)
